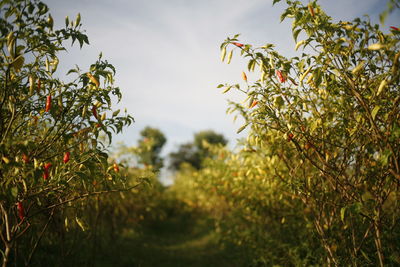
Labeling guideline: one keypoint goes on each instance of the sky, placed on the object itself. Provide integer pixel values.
(167, 55)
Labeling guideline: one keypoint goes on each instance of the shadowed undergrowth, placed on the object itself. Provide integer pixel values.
(181, 240)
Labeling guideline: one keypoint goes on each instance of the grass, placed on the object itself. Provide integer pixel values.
(182, 239)
(178, 241)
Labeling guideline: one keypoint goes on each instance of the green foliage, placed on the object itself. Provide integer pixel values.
(150, 145)
(50, 146)
(391, 6)
(334, 116)
(194, 153)
(186, 154)
(315, 183)
(251, 208)
(208, 137)
(336, 112)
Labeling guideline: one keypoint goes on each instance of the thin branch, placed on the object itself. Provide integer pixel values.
(84, 196)
(40, 238)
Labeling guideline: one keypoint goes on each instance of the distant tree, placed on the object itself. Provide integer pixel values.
(186, 153)
(194, 153)
(207, 137)
(150, 145)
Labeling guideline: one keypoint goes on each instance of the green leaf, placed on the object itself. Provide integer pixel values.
(227, 89)
(383, 16)
(375, 111)
(365, 256)
(296, 34)
(115, 113)
(81, 224)
(342, 213)
(376, 46)
(223, 53)
(298, 44)
(284, 14)
(359, 67)
(31, 8)
(242, 128)
(229, 57)
(72, 71)
(381, 87)
(78, 19)
(251, 65)
(314, 125)
(18, 63)
(384, 157)
(14, 191)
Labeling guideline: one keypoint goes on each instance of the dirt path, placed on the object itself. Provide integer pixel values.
(176, 242)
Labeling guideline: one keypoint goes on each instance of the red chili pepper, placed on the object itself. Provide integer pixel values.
(244, 76)
(281, 78)
(66, 157)
(48, 103)
(39, 84)
(255, 102)
(46, 173)
(116, 168)
(394, 28)
(307, 146)
(94, 111)
(25, 158)
(310, 8)
(47, 166)
(290, 137)
(21, 211)
(238, 44)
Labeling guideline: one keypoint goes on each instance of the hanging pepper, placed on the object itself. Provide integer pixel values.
(244, 76)
(255, 102)
(116, 168)
(66, 157)
(281, 78)
(48, 103)
(25, 158)
(311, 9)
(94, 111)
(103, 116)
(39, 85)
(238, 44)
(93, 79)
(46, 174)
(290, 137)
(394, 28)
(47, 166)
(31, 84)
(21, 211)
